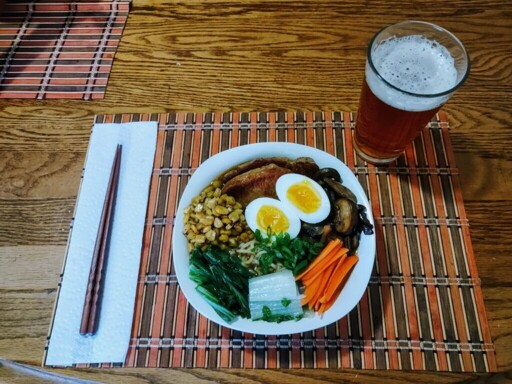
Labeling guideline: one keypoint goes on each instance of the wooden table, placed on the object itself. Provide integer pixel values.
(248, 56)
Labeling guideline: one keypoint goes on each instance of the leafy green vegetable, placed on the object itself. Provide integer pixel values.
(275, 318)
(294, 254)
(222, 280)
(285, 302)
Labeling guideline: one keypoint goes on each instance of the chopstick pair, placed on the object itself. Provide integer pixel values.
(95, 285)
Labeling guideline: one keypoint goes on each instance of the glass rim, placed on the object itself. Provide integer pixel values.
(428, 95)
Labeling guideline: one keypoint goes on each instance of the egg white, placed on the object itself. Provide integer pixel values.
(288, 180)
(251, 213)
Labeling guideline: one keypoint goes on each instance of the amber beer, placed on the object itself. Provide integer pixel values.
(384, 131)
(411, 71)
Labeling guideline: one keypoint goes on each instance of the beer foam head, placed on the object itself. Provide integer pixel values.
(412, 64)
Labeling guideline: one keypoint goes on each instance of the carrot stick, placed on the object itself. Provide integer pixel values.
(331, 246)
(328, 304)
(335, 255)
(310, 291)
(324, 280)
(338, 276)
(315, 272)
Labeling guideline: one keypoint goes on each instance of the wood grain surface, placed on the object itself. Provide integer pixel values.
(247, 55)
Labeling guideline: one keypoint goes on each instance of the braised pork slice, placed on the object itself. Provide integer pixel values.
(254, 183)
(303, 165)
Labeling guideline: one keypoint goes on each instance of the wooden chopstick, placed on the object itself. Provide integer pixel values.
(94, 292)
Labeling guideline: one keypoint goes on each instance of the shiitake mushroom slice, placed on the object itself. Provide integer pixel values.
(363, 224)
(329, 173)
(312, 230)
(346, 216)
(340, 190)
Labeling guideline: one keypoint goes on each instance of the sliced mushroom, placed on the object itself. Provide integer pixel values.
(312, 230)
(354, 241)
(351, 242)
(333, 235)
(346, 216)
(363, 223)
(329, 173)
(340, 190)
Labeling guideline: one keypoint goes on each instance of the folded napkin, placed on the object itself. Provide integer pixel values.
(66, 346)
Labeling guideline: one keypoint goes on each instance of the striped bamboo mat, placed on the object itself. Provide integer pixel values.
(423, 308)
(59, 49)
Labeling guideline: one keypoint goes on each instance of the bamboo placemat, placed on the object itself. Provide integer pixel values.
(423, 308)
(59, 49)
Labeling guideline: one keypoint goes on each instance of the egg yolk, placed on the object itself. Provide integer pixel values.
(273, 217)
(303, 196)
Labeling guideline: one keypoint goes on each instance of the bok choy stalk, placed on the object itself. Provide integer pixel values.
(275, 297)
(222, 280)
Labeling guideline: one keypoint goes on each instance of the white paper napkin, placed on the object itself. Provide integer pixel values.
(110, 343)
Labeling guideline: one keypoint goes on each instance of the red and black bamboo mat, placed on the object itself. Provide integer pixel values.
(423, 308)
(60, 49)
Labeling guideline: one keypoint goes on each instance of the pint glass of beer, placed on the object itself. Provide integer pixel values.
(412, 69)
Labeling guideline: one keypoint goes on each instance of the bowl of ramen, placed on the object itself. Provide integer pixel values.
(273, 238)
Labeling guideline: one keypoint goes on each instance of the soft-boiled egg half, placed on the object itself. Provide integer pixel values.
(266, 212)
(305, 196)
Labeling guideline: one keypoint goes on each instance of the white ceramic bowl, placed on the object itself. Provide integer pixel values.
(355, 285)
